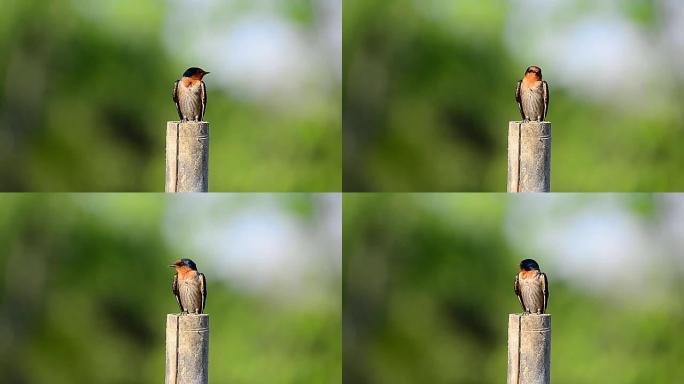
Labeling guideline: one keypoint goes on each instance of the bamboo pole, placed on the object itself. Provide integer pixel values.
(529, 156)
(529, 349)
(187, 156)
(187, 349)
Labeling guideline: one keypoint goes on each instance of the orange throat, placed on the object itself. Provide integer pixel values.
(188, 81)
(531, 79)
(185, 272)
(527, 274)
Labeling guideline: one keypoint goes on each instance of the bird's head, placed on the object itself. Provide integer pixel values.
(195, 73)
(533, 72)
(184, 264)
(529, 265)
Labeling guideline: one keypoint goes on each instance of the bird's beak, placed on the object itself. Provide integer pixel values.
(206, 73)
(172, 266)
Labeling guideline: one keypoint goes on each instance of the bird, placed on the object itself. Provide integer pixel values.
(531, 287)
(532, 95)
(189, 287)
(190, 95)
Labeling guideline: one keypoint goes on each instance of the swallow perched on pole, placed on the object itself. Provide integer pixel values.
(532, 95)
(190, 95)
(531, 287)
(189, 287)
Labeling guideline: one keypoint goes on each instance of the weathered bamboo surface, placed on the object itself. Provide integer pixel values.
(187, 156)
(187, 349)
(529, 156)
(529, 349)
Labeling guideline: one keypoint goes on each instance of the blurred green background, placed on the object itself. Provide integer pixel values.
(85, 92)
(428, 285)
(85, 285)
(428, 91)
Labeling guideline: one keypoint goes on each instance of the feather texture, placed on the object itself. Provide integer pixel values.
(532, 291)
(532, 100)
(517, 99)
(190, 97)
(190, 291)
(545, 97)
(174, 289)
(175, 99)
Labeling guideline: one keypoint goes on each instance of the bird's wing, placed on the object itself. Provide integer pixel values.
(517, 98)
(516, 289)
(545, 89)
(203, 290)
(203, 90)
(175, 99)
(545, 290)
(174, 289)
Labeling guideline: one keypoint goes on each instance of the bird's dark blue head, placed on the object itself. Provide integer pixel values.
(194, 72)
(184, 263)
(529, 265)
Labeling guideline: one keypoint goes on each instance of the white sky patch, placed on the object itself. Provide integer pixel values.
(257, 245)
(256, 53)
(597, 245)
(602, 57)
(260, 56)
(673, 34)
(600, 54)
(670, 232)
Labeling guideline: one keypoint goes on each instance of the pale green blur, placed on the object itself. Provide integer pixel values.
(85, 94)
(428, 285)
(85, 288)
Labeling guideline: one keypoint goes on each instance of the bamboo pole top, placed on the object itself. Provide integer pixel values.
(187, 348)
(529, 348)
(187, 156)
(529, 156)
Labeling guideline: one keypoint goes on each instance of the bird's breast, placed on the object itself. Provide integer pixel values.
(529, 282)
(531, 85)
(191, 90)
(190, 280)
(524, 275)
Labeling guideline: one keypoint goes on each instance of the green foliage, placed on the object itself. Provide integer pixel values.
(428, 284)
(428, 93)
(86, 91)
(84, 289)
